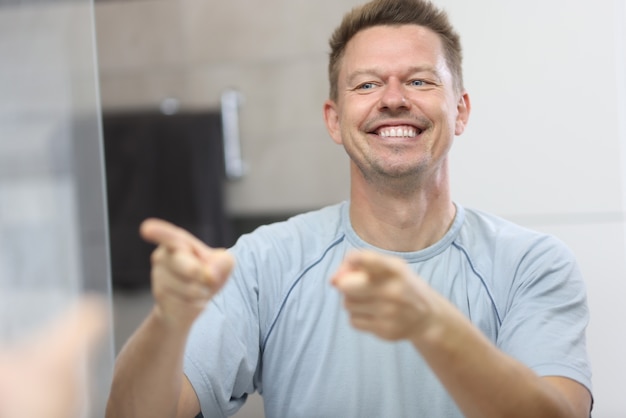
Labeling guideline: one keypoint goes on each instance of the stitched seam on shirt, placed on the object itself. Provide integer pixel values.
(293, 285)
(482, 280)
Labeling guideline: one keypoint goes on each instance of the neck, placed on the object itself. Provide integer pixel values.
(401, 218)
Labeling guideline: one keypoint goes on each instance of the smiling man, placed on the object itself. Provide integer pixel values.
(398, 303)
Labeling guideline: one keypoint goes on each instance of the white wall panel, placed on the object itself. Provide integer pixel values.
(543, 133)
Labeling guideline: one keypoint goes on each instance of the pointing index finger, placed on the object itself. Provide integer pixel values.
(377, 266)
(172, 237)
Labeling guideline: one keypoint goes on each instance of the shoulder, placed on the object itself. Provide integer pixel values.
(323, 223)
(295, 242)
(318, 225)
(493, 234)
(498, 248)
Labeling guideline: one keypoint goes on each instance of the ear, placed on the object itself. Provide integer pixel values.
(463, 108)
(331, 118)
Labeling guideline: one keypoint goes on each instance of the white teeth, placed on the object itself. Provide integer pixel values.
(397, 132)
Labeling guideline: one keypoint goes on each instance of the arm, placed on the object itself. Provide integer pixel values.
(485, 382)
(148, 379)
(384, 297)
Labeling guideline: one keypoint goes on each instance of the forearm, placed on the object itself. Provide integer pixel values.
(148, 371)
(484, 381)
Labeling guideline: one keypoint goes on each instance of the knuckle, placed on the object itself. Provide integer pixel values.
(389, 310)
(185, 266)
(157, 255)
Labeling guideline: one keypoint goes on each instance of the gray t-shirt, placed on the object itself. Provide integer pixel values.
(279, 327)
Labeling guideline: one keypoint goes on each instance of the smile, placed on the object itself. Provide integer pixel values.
(398, 132)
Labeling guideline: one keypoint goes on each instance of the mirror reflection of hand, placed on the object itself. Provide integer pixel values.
(186, 273)
(46, 375)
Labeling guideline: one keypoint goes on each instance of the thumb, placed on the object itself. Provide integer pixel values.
(377, 266)
(221, 262)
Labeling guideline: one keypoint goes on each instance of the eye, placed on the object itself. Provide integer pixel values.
(366, 86)
(417, 83)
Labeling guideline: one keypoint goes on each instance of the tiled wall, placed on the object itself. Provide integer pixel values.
(274, 54)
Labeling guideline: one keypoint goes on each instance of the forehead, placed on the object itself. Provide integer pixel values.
(393, 46)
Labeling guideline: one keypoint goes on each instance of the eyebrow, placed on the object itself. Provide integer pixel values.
(376, 72)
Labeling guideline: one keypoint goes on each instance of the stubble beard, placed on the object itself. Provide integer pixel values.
(392, 171)
(402, 178)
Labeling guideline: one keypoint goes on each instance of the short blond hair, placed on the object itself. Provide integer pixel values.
(394, 13)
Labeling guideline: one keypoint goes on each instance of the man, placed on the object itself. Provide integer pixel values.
(399, 303)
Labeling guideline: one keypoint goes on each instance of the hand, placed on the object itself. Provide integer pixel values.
(46, 375)
(384, 297)
(186, 273)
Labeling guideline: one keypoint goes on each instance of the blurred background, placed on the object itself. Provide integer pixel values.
(210, 115)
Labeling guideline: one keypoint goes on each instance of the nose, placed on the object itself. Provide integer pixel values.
(393, 96)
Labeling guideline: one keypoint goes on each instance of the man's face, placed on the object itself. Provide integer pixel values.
(397, 111)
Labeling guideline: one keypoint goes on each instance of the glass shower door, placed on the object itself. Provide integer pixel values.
(53, 239)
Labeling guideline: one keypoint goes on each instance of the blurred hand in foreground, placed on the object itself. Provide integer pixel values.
(46, 375)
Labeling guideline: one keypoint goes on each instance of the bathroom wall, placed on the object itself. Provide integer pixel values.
(274, 54)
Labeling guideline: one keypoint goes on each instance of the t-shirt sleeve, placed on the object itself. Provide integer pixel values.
(546, 315)
(222, 353)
